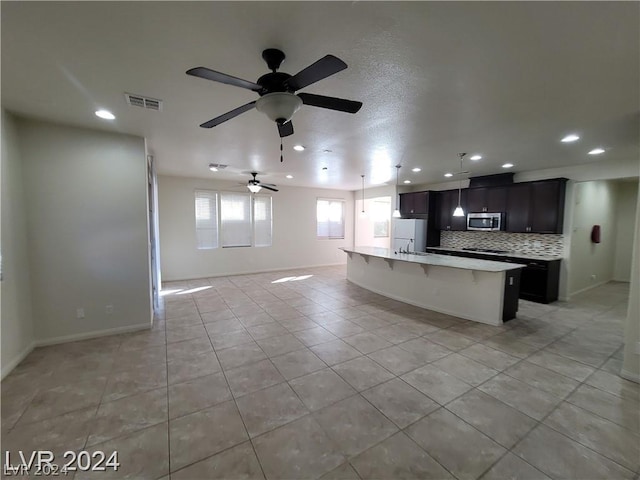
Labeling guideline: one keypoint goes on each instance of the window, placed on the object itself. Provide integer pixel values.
(206, 219)
(330, 218)
(243, 220)
(235, 219)
(380, 212)
(262, 221)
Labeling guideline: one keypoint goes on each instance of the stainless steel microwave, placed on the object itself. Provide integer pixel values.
(484, 221)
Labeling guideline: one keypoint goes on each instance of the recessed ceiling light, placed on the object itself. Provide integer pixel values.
(407, 181)
(570, 138)
(476, 157)
(106, 114)
(289, 176)
(448, 174)
(417, 169)
(298, 148)
(507, 165)
(596, 151)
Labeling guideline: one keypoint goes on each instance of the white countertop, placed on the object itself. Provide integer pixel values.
(436, 260)
(527, 256)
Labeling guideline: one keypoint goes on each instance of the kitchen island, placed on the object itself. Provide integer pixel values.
(480, 290)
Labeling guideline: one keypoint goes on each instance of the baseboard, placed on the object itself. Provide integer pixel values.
(94, 334)
(627, 375)
(582, 290)
(8, 367)
(269, 270)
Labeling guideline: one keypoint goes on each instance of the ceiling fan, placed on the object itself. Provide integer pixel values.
(254, 185)
(278, 99)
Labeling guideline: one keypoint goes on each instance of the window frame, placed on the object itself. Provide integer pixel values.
(201, 193)
(217, 195)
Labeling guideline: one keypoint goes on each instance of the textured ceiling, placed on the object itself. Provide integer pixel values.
(506, 80)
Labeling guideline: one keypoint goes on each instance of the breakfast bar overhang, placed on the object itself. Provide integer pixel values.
(478, 290)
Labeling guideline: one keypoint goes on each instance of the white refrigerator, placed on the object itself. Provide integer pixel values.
(409, 234)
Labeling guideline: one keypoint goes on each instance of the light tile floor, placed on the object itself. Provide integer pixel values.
(300, 374)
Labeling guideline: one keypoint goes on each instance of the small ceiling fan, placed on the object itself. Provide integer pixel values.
(254, 185)
(278, 99)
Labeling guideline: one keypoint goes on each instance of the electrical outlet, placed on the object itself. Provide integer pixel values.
(79, 312)
(108, 309)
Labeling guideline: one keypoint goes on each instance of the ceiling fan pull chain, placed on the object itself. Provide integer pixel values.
(280, 149)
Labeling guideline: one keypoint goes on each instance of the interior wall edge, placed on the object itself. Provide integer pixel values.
(8, 367)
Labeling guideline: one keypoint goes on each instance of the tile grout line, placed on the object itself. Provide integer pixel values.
(234, 400)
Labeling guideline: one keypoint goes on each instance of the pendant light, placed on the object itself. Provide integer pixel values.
(362, 214)
(458, 212)
(396, 212)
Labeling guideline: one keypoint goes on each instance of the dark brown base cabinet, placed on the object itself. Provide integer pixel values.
(539, 281)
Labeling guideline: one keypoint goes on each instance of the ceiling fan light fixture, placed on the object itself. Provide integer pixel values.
(279, 106)
(254, 188)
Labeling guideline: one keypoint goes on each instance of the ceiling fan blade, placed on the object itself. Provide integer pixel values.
(208, 74)
(228, 116)
(323, 68)
(285, 129)
(268, 188)
(332, 103)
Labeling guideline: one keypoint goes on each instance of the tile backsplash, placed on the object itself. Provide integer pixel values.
(531, 243)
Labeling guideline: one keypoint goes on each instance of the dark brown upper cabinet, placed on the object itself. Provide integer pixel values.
(536, 207)
(414, 204)
(487, 199)
(447, 203)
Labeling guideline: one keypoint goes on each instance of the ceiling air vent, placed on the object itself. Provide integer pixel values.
(144, 102)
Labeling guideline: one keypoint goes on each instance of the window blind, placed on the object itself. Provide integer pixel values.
(330, 218)
(262, 221)
(235, 219)
(206, 219)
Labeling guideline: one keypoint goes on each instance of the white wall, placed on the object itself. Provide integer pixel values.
(626, 199)
(364, 223)
(589, 264)
(87, 230)
(15, 312)
(294, 232)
